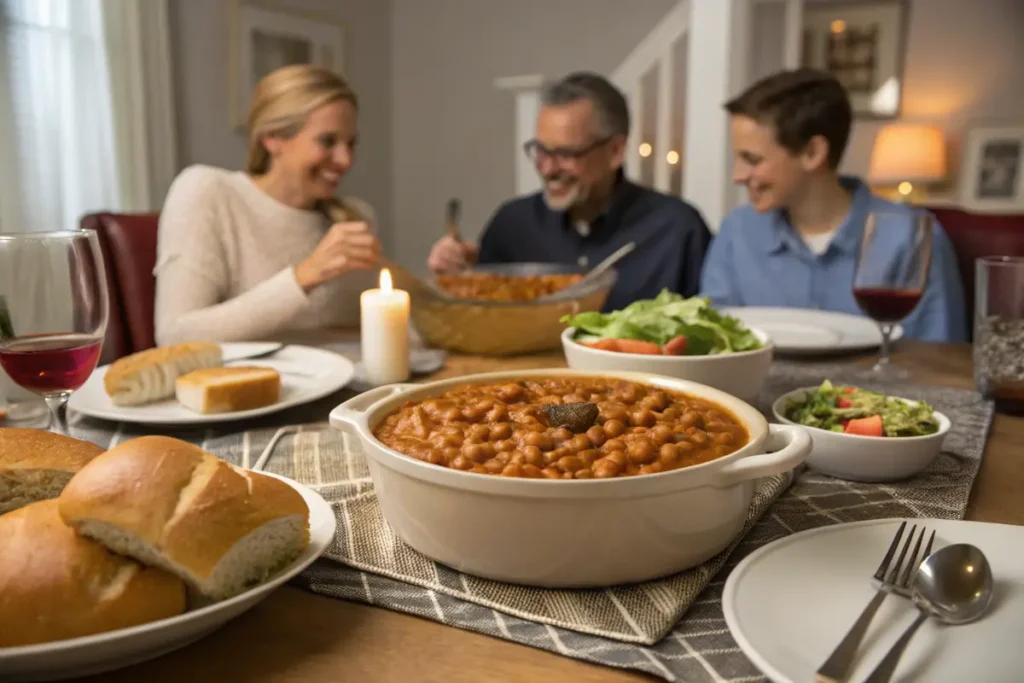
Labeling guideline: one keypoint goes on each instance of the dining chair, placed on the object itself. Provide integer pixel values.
(128, 242)
(974, 235)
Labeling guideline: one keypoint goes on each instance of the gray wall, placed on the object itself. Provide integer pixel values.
(433, 126)
(963, 66)
(199, 30)
(453, 131)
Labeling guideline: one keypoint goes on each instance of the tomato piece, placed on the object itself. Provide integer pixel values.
(865, 426)
(844, 403)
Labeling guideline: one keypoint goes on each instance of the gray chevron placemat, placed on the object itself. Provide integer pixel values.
(691, 641)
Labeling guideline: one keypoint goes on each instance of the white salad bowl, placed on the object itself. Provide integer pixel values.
(739, 374)
(558, 533)
(866, 458)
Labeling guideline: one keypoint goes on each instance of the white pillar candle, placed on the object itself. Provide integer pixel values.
(384, 331)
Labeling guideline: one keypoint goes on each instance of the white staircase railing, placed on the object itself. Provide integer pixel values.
(656, 51)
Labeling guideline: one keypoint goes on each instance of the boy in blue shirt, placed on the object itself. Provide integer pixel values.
(795, 244)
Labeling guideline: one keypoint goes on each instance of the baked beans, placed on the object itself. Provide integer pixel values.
(495, 287)
(563, 428)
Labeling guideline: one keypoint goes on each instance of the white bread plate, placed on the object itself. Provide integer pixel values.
(307, 374)
(866, 458)
(569, 534)
(111, 650)
(740, 374)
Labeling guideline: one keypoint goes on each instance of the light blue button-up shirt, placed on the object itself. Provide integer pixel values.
(759, 260)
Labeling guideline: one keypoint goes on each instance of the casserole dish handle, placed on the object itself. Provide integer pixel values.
(350, 416)
(793, 444)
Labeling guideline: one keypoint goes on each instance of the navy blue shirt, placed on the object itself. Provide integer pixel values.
(671, 239)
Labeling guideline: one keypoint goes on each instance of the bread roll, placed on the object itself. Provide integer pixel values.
(54, 584)
(36, 465)
(226, 390)
(170, 504)
(149, 375)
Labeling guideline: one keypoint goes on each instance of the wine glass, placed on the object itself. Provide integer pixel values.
(54, 292)
(892, 272)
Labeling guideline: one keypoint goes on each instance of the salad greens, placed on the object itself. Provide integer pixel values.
(664, 318)
(859, 411)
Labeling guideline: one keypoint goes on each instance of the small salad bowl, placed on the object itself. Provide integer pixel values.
(739, 374)
(856, 456)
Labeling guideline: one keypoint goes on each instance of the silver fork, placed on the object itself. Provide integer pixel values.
(837, 667)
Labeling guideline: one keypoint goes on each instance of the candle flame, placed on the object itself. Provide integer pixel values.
(385, 281)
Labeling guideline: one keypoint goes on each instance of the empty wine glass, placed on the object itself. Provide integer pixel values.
(54, 293)
(892, 272)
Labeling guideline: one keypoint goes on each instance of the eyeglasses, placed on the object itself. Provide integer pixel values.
(535, 151)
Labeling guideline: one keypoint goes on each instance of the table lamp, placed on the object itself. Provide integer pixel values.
(907, 157)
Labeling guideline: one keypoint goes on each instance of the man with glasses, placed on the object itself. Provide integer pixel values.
(587, 209)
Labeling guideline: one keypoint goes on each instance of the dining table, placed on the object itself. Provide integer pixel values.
(296, 636)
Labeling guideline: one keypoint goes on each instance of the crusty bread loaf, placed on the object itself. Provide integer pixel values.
(55, 584)
(36, 465)
(149, 375)
(226, 390)
(173, 505)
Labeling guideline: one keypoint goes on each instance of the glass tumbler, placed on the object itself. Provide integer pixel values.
(999, 331)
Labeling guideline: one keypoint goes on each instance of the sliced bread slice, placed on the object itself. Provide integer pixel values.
(228, 390)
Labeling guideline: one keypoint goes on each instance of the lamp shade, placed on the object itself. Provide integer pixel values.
(908, 152)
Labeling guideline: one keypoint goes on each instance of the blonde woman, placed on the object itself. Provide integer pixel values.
(269, 252)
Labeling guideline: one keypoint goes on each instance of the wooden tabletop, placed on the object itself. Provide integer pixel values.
(297, 636)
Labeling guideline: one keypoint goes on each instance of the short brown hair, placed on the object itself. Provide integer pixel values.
(799, 104)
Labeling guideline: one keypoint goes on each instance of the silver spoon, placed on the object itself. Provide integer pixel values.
(595, 272)
(954, 585)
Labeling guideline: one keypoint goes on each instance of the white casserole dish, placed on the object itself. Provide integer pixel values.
(580, 533)
(740, 374)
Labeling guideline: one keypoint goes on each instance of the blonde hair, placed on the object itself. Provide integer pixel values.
(281, 103)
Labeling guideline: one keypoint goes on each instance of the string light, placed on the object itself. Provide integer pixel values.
(672, 157)
(645, 149)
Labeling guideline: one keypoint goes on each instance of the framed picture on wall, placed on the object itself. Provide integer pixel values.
(863, 45)
(992, 172)
(264, 37)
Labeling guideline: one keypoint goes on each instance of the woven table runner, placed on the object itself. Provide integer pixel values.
(672, 628)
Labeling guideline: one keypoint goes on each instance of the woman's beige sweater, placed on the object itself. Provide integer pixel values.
(226, 260)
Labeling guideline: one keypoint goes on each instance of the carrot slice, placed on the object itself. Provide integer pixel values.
(638, 346)
(865, 426)
(675, 346)
(604, 344)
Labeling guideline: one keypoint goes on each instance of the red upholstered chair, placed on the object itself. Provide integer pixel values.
(128, 242)
(974, 235)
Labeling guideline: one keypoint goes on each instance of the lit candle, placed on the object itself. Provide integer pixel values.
(384, 327)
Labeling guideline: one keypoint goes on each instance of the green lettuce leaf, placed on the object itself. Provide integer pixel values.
(666, 317)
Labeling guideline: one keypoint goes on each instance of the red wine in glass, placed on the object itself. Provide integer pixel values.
(50, 364)
(885, 305)
(53, 313)
(891, 275)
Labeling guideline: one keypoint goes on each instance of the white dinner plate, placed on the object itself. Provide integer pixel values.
(117, 649)
(307, 374)
(798, 331)
(789, 604)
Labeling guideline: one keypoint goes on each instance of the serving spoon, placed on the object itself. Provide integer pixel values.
(595, 272)
(954, 586)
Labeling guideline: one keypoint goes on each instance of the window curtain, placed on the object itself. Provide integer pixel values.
(86, 110)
